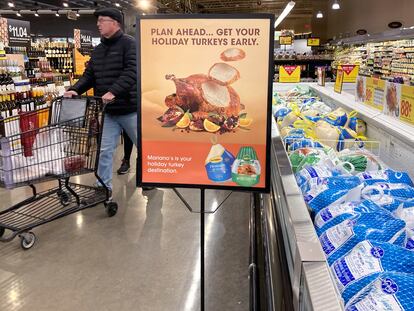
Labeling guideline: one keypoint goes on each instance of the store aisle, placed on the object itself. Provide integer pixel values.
(145, 258)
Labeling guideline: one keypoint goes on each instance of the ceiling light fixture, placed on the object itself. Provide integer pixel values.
(319, 15)
(10, 4)
(335, 5)
(36, 14)
(144, 4)
(285, 13)
(77, 14)
(65, 4)
(18, 14)
(117, 4)
(57, 14)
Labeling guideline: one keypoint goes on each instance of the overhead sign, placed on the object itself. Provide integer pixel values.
(350, 72)
(314, 41)
(289, 74)
(339, 81)
(205, 94)
(285, 40)
(14, 32)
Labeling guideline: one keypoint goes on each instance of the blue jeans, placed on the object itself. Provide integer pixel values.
(113, 126)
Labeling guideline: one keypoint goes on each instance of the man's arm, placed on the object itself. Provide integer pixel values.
(128, 76)
(85, 82)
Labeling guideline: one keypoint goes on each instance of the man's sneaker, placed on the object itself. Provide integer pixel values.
(124, 168)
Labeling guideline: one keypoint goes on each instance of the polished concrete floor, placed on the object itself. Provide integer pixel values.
(145, 258)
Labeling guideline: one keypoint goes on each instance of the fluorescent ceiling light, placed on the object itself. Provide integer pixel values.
(117, 4)
(77, 14)
(336, 5)
(319, 15)
(57, 14)
(285, 13)
(65, 4)
(18, 14)
(144, 4)
(36, 14)
(10, 4)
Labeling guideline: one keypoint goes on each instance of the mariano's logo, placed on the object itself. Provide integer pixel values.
(388, 286)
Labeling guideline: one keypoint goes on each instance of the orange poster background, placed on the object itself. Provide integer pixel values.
(194, 171)
(157, 61)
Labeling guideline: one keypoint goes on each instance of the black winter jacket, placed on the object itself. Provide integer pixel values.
(112, 68)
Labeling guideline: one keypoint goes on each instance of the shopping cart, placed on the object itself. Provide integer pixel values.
(51, 144)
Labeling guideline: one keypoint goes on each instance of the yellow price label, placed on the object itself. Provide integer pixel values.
(339, 81)
(374, 93)
(289, 74)
(285, 40)
(407, 104)
(350, 72)
(314, 42)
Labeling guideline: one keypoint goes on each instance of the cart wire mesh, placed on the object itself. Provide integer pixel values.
(37, 146)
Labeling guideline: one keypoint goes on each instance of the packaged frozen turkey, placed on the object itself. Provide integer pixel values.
(377, 226)
(361, 160)
(390, 291)
(409, 240)
(405, 211)
(304, 142)
(335, 214)
(309, 172)
(388, 175)
(359, 267)
(324, 192)
(401, 192)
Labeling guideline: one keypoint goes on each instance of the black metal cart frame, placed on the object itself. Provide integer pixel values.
(44, 145)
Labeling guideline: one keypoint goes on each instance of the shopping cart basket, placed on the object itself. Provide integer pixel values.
(53, 143)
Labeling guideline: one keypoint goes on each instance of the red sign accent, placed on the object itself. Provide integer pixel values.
(347, 68)
(290, 69)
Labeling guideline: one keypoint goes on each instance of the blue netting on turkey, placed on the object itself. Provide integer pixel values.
(387, 176)
(382, 227)
(332, 215)
(326, 191)
(353, 271)
(389, 291)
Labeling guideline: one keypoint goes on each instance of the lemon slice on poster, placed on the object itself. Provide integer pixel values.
(210, 126)
(184, 121)
(245, 122)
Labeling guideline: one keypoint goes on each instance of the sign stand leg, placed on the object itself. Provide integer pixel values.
(202, 240)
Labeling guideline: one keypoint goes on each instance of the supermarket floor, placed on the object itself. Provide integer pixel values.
(145, 258)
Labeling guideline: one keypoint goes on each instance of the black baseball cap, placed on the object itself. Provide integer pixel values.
(110, 12)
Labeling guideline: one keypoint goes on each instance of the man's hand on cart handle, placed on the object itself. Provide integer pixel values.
(70, 94)
(108, 97)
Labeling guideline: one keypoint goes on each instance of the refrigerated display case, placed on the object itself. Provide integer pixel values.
(293, 256)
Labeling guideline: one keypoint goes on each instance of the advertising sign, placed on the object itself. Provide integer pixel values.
(360, 89)
(83, 49)
(314, 41)
(289, 74)
(14, 32)
(285, 40)
(205, 94)
(339, 81)
(406, 102)
(350, 72)
(374, 92)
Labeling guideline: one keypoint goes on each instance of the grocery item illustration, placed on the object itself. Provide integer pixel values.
(392, 106)
(246, 168)
(207, 102)
(218, 163)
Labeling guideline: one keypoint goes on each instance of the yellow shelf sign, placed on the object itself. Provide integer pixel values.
(374, 93)
(350, 72)
(285, 40)
(407, 104)
(339, 81)
(289, 74)
(314, 41)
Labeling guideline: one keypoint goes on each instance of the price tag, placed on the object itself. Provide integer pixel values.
(18, 32)
(374, 93)
(313, 41)
(289, 74)
(285, 40)
(350, 72)
(407, 104)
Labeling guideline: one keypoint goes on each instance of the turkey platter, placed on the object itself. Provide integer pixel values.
(206, 102)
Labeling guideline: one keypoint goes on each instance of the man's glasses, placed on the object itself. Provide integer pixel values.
(101, 20)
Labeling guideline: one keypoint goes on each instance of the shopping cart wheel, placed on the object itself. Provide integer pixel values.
(2, 230)
(27, 240)
(111, 208)
(65, 198)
